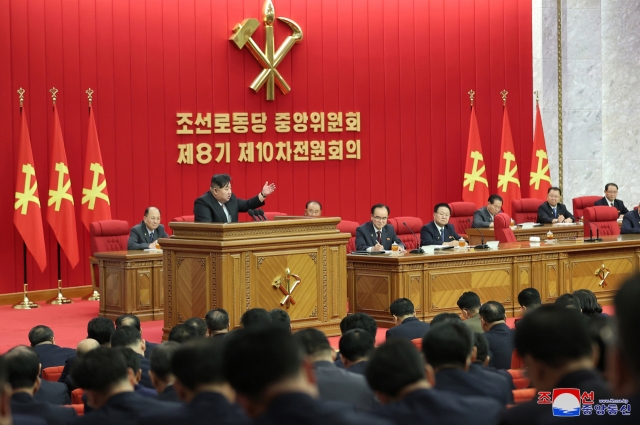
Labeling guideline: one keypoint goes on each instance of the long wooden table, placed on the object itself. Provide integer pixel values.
(434, 282)
(524, 233)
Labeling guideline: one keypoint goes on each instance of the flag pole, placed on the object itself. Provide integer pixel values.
(95, 296)
(471, 96)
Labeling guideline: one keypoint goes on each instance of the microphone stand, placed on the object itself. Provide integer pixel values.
(591, 238)
(252, 213)
(482, 245)
(419, 249)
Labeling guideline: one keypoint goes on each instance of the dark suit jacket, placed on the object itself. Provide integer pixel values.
(433, 406)
(358, 368)
(500, 338)
(366, 237)
(169, 394)
(495, 381)
(616, 203)
(139, 236)
(145, 380)
(27, 420)
(208, 210)
(205, 408)
(430, 235)
(466, 384)
(65, 376)
(545, 212)
(23, 403)
(124, 409)
(482, 217)
(410, 328)
(631, 223)
(149, 346)
(52, 392)
(341, 385)
(53, 355)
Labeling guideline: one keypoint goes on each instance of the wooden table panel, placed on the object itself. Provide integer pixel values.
(523, 234)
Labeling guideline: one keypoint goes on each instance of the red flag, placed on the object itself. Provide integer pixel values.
(95, 198)
(508, 178)
(26, 214)
(540, 176)
(475, 187)
(61, 214)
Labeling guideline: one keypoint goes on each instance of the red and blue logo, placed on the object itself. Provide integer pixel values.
(566, 402)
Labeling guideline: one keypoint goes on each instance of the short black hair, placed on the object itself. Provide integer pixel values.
(126, 336)
(554, 188)
(492, 311)
(100, 329)
(39, 334)
(160, 359)
(182, 333)
(217, 319)
(359, 321)
(256, 357)
(128, 320)
(529, 297)
(356, 344)
(494, 198)
(553, 335)
(220, 180)
(441, 204)
(626, 303)
(313, 202)
(445, 318)
(100, 369)
(482, 346)
(312, 341)
(198, 324)
(588, 301)
(394, 365)
(448, 343)
(376, 206)
(281, 318)
(23, 367)
(606, 186)
(199, 362)
(255, 316)
(146, 210)
(131, 358)
(402, 307)
(569, 301)
(469, 301)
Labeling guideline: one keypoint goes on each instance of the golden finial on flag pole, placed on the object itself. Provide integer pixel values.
(471, 95)
(89, 93)
(54, 93)
(60, 299)
(25, 304)
(537, 93)
(21, 95)
(504, 94)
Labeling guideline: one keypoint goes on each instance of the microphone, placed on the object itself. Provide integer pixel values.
(261, 215)
(252, 213)
(482, 245)
(418, 250)
(591, 238)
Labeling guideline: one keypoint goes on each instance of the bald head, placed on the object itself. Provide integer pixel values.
(85, 346)
(152, 218)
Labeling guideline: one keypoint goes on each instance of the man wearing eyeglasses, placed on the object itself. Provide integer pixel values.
(610, 199)
(553, 211)
(377, 235)
(146, 234)
(439, 231)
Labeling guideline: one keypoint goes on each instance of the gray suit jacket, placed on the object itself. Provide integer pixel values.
(482, 217)
(341, 385)
(139, 237)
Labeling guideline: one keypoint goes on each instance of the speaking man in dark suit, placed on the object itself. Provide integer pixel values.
(409, 327)
(610, 199)
(439, 231)
(553, 211)
(484, 216)
(146, 234)
(44, 343)
(631, 223)
(220, 205)
(377, 235)
(498, 334)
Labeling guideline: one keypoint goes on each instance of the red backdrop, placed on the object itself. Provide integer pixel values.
(405, 66)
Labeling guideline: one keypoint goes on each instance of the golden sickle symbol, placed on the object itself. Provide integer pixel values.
(602, 273)
(278, 283)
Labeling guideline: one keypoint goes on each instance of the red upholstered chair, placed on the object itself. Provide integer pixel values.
(525, 210)
(52, 373)
(185, 218)
(606, 218)
(520, 379)
(461, 213)
(79, 408)
(350, 227)
(501, 229)
(417, 342)
(106, 235)
(270, 215)
(516, 360)
(579, 204)
(76, 396)
(410, 241)
(524, 395)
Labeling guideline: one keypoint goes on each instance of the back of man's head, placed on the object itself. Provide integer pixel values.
(553, 335)
(100, 370)
(588, 302)
(255, 358)
(469, 301)
(445, 318)
(23, 367)
(448, 344)
(393, 366)
(126, 336)
(359, 321)
(199, 362)
(217, 320)
(39, 334)
(492, 311)
(255, 316)
(529, 298)
(198, 324)
(85, 346)
(280, 318)
(128, 320)
(569, 301)
(482, 347)
(313, 342)
(402, 307)
(627, 318)
(131, 358)
(160, 360)
(100, 329)
(356, 344)
(182, 333)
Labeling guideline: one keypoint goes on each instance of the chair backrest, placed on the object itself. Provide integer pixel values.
(79, 408)
(524, 395)
(271, 214)
(525, 210)
(519, 377)
(346, 226)
(582, 202)
(52, 373)
(605, 218)
(109, 235)
(417, 342)
(516, 360)
(408, 239)
(501, 229)
(76, 396)
(461, 213)
(185, 218)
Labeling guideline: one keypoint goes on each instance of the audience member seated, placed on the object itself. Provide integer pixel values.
(408, 326)
(396, 373)
(313, 209)
(377, 234)
(355, 346)
(555, 346)
(255, 316)
(280, 318)
(44, 343)
(599, 329)
(631, 222)
(83, 348)
(445, 318)
(588, 302)
(100, 329)
(447, 350)
(528, 298)
(553, 211)
(499, 335)
(333, 382)
(182, 333)
(134, 321)
(469, 303)
(276, 385)
(569, 301)
(23, 370)
(480, 356)
(484, 216)
(199, 325)
(5, 403)
(135, 372)
(160, 371)
(130, 337)
(610, 199)
(439, 231)
(217, 323)
(357, 321)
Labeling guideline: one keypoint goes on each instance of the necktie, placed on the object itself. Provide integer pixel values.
(555, 212)
(226, 212)
(442, 234)
(379, 237)
(151, 236)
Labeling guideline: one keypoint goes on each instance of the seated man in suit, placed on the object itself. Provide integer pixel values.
(484, 216)
(44, 343)
(219, 205)
(280, 318)
(146, 234)
(130, 337)
(160, 371)
(255, 317)
(469, 304)
(499, 335)
(439, 231)
(480, 357)
(610, 199)
(377, 235)
(198, 324)
(182, 333)
(313, 209)
(409, 327)
(134, 321)
(529, 299)
(135, 372)
(553, 211)
(355, 347)
(217, 323)
(631, 222)
(356, 321)
(569, 301)
(408, 395)
(333, 382)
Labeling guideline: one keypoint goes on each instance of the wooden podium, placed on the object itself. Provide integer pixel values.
(238, 266)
